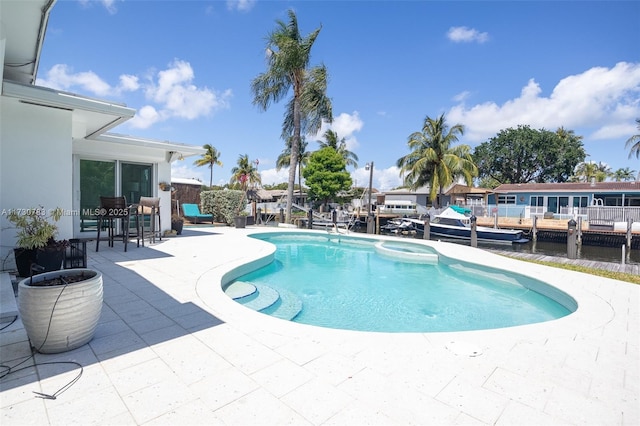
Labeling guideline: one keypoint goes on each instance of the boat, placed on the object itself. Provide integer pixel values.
(455, 222)
(403, 226)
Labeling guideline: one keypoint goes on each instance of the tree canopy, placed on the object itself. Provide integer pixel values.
(525, 155)
(433, 160)
(245, 173)
(588, 170)
(210, 158)
(326, 175)
(331, 140)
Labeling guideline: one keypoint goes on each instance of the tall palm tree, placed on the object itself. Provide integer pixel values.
(433, 160)
(634, 143)
(245, 173)
(288, 56)
(210, 158)
(331, 140)
(623, 175)
(284, 159)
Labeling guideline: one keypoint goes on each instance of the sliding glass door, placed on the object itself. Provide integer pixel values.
(136, 181)
(110, 178)
(97, 178)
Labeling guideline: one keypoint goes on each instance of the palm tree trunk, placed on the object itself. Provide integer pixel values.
(211, 177)
(300, 179)
(295, 148)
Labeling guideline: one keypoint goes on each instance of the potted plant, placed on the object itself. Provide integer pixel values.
(177, 222)
(240, 219)
(36, 241)
(60, 310)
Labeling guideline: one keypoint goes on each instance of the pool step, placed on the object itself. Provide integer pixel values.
(264, 297)
(259, 297)
(287, 307)
(239, 289)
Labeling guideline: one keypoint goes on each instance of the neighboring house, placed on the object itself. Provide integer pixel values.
(405, 199)
(564, 198)
(54, 149)
(398, 200)
(466, 195)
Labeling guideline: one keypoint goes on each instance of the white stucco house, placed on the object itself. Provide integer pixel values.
(55, 149)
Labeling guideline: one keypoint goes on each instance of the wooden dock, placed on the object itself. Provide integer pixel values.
(555, 230)
(607, 266)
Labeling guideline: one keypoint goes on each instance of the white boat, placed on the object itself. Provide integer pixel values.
(455, 222)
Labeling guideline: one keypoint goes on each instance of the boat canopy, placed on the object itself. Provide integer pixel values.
(460, 209)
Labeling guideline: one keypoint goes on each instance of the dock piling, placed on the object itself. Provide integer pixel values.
(572, 246)
(474, 234)
(427, 227)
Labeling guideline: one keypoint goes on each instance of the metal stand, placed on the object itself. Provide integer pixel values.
(75, 256)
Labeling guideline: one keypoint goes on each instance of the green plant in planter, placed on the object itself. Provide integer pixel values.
(36, 240)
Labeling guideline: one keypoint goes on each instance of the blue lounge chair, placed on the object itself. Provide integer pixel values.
(192, 212)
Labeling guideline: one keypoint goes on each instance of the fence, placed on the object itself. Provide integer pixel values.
(600, 214)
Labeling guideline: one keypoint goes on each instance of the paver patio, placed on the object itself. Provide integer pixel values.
(171, 348)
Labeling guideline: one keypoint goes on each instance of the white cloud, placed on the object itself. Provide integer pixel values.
(177, 96)
(110, 5)
(129, 83)
(62, 77)
(462, 96)
(383, 179)
(273, 176)
(145, 117)
(171, 91)
(241, 5)
(345, 125)
(466, 35)
(604, 101)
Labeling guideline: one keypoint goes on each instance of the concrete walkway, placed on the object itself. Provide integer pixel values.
(171, 349)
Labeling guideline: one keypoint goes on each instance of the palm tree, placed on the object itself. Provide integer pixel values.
(284, 159)
(210, 158)
(288, 55)
(245, 173)
(433, 161)
(331, 140)
(623, 175)
(634, 143)
(588, 170)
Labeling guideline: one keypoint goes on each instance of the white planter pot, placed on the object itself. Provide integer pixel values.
(62, 317)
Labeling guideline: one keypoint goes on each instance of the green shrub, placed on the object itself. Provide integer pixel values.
(223, 205)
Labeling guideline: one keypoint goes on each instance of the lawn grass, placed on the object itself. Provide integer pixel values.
(621, 276)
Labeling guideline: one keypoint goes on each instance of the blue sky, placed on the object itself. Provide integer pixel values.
(186, 67)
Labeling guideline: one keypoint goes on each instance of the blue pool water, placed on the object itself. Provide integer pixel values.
(345, 283)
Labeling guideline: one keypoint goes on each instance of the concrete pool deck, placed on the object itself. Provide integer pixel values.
(172, 349)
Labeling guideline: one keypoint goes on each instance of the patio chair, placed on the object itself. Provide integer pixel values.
(111, 210)
(192, 212)
(150, 207)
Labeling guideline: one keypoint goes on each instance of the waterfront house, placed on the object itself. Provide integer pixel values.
(55, 149)
(565, 200)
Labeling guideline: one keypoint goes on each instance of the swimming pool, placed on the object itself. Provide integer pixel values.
(390, 286)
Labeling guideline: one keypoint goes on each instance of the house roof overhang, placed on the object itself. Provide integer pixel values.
(173, 151)
(23, 25)
(90, 117)
(569, 187)
(467, 190)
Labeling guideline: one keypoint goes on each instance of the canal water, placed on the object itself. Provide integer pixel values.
(585, 252)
